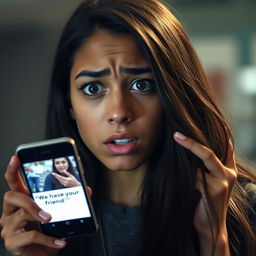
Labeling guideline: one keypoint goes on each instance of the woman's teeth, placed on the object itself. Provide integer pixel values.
(122, 141)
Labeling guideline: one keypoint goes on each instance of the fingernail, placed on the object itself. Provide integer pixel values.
(44, 215)
(11, 160)
(180, 136)
(59, 242)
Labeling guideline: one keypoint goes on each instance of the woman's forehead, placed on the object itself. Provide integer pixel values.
(60, 159)
(104, 48)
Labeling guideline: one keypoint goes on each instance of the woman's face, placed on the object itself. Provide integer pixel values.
(114, 101)
(61, 164)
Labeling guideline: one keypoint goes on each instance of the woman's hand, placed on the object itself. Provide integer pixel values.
(19, 219)
(220, 181)
(68, 181)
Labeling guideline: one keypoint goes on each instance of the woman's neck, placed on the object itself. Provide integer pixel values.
(123, 187)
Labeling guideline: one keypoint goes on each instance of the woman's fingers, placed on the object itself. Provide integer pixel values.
(69, 181)
(58, 177)
(16, 222)
(19, 224)
(227, 173)
(89, 191)
(23, 239)
(20, 221)
(210, 160)
(20, 218)
(13, 177)
(215, 187)
(68, 174)
(231, 157)
(61, 179)
(14, 200)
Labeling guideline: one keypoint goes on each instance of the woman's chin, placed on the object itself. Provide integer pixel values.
(123, 166)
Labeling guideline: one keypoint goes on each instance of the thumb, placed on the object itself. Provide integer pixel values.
(13, 177)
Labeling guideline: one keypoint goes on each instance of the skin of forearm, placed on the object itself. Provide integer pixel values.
(221, 247)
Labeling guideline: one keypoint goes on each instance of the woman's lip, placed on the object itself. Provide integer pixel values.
(122, 149)
(119, 136)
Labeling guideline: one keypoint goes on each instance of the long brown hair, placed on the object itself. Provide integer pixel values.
(169, 195)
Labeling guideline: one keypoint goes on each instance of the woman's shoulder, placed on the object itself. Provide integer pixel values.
(49, 176)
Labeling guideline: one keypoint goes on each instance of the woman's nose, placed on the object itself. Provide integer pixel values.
(119, 109)
(119, 118)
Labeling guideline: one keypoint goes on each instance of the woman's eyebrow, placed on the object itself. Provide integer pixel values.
(91, 73)
(105, 72)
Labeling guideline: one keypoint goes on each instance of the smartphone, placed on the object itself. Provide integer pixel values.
(54, 176)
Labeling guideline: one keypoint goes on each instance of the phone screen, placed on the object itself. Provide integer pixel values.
(55, 185)
(52, 170)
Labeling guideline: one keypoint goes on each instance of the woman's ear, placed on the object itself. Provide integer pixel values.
(72, 114)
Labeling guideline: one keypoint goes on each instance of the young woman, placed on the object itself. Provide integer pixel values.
(62, 175)
(129, 88)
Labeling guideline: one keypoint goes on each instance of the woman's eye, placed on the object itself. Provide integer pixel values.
(92, 89)
(142, 85)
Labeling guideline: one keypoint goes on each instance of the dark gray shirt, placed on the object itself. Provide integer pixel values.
(120, 229)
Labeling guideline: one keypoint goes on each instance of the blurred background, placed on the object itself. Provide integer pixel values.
(223, 33)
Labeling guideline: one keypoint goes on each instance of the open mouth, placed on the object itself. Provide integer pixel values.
(121, 144)
(122, 141)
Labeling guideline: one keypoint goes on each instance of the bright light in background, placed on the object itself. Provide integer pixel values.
(247, 80)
